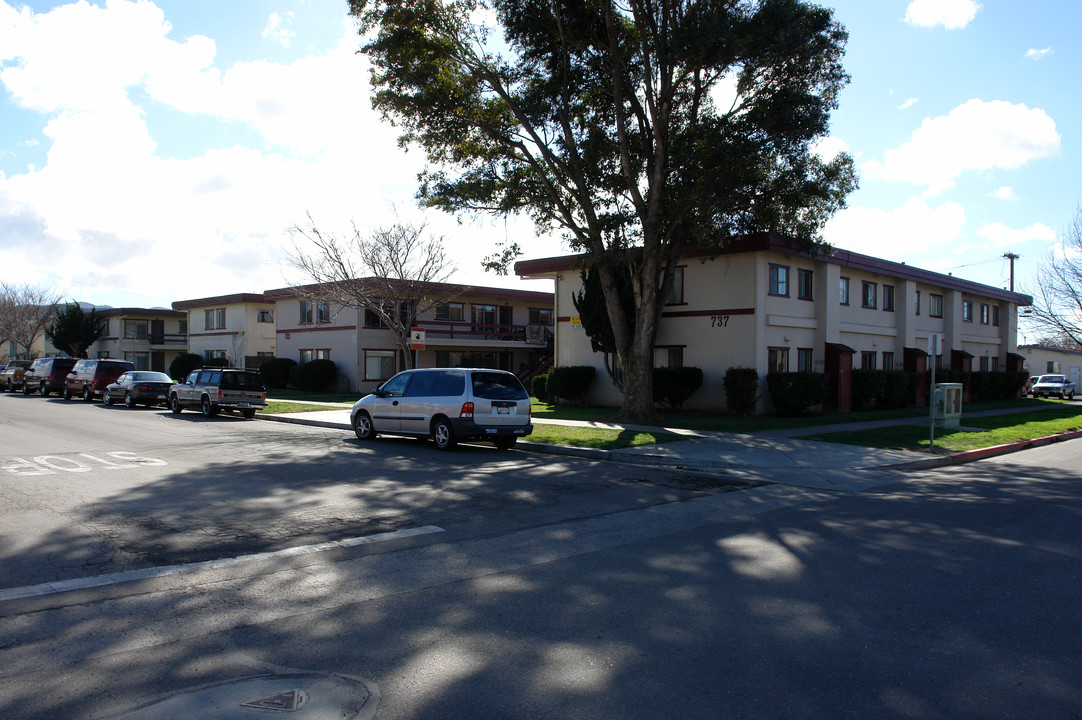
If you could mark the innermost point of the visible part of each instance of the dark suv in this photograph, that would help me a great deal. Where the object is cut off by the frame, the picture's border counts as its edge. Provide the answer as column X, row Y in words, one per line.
column 215, row 389
column 89, row 378
column 48, row 375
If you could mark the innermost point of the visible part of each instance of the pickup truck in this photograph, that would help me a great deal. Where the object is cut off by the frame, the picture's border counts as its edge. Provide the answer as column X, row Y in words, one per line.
column 12, row 376
column 215, row 389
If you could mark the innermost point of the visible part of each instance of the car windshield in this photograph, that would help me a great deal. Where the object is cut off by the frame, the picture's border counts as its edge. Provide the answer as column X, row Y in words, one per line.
column 1051, row 379
column 498, row 386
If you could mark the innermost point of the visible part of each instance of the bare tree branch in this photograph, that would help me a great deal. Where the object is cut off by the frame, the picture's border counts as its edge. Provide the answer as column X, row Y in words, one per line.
column 397, row 272
column 1057, row 300
column 25, row 310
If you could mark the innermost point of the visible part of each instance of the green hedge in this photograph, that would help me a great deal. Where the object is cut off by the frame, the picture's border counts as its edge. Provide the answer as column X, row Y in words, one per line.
column 797, row 393
column 539, row 387
column 569, row 382
column 275, row 371
column 183, row 364
column 884, row 389
column 674, row 385
column 741, row 389
column 314, row 376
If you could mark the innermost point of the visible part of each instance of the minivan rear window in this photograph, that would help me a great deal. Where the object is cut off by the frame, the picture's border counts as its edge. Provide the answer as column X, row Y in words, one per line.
column 498, row 386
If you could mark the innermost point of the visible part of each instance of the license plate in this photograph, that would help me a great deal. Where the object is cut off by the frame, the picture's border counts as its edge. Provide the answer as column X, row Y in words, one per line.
column 503, row 410
column 161, row 397
column 244, row 405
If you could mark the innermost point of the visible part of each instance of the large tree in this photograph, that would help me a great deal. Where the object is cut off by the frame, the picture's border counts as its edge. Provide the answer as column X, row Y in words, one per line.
column 24, row 312
column 397, row 272
column 1057, row 298
column 74, row 330
column 640, row 130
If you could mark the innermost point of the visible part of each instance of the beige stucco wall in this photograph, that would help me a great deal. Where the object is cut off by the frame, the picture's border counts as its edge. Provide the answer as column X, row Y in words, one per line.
column 242, row 336
column 1037, row 359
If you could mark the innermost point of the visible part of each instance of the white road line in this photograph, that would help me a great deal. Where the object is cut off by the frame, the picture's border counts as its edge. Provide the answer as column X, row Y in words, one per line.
column 60, row 586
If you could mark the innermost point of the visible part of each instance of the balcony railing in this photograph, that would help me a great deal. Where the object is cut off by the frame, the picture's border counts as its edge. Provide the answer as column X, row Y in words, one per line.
column 445, row 329
column 168, row 338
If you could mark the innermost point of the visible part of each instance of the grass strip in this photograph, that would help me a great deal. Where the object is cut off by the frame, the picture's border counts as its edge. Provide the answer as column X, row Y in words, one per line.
column 996, row 430
column 598, row 438
column 275, row 407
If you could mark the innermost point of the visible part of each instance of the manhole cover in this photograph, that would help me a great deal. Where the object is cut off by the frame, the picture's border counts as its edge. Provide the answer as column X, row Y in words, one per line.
column 298, row 696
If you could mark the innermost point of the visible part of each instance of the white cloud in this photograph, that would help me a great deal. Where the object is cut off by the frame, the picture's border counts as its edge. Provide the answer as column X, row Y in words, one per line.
column 1002, row 236
column 951, row 14
column 1037, row 54
column 908, row 104
column 1004, row 193
column 897, row 234
column 975, row 136
column 276, row 30
column 828, row 148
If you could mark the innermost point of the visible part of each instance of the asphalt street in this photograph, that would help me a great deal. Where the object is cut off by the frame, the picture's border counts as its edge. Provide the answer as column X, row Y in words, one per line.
column 948, row 593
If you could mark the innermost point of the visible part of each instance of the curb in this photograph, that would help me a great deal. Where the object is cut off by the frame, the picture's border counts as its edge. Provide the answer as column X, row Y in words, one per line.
column 997, row 450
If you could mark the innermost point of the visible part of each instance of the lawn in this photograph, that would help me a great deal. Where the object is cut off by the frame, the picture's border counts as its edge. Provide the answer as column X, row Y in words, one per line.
column 996, row 430
column 599, row 438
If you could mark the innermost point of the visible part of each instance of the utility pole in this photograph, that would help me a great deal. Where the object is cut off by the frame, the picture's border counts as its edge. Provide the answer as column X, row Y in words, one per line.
column 1012, row 257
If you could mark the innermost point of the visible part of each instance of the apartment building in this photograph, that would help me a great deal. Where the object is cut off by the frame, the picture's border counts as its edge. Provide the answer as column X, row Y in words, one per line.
column 238, row 327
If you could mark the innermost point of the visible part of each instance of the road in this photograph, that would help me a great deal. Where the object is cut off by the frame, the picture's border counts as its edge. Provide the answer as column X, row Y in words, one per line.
column 545, row 589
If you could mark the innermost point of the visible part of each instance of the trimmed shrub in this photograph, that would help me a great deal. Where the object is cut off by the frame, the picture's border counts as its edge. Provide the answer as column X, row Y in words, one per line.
column 884, row 389
column 183, row 364
column 539, row 386
column 796, row 393
column 314, row 376
column 569, row 383
column 275, row 371
column 741, row 389
column 674, row 385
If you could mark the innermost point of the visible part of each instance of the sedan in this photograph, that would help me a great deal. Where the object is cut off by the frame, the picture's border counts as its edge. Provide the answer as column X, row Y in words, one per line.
column 138, row 387
column 1049, row 385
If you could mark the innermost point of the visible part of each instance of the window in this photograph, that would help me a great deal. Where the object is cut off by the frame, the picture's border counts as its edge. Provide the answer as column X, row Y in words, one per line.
column 305, row 357
column 888, row 361
column 306, row 312
column 141, row 360
column 995, row 315
column 804, row 359
column 986, row 313
column 483, row 315
column 888, row 298
column 777, row 359
column 373, row 320
column 450, row 311
column 137, row 330
column 935, row 305
column 265, row 316
column 378, row 364
column 214, row 319
column 984, row 363
column 676, row 292
column 318, row 354
column 323, row 312
column 868, row 293
column 215, row 355
column 867, row 360
column 918, row 302
column 804, row 284
column 1052, row 366
column 182, row 327
column 665, row 357
column 995, row 364
column 967, row 311
column 779, row 280
column 541, row 316
column 843, row 291
column 104, row 331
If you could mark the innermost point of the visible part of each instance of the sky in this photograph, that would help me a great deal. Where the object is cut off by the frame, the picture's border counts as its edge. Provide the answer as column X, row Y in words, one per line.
column 161, row 151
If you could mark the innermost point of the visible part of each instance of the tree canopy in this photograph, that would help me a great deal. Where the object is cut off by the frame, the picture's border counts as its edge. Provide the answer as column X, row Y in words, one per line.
column 640, row 131
column 1057, row 299
column 74, row 330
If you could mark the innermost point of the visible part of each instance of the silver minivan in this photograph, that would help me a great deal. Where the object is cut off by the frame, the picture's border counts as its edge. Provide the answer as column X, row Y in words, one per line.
column 447, row 405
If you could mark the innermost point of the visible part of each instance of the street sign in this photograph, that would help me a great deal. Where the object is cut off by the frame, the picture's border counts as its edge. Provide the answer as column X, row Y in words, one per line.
column 935, row 344
column 417, row 339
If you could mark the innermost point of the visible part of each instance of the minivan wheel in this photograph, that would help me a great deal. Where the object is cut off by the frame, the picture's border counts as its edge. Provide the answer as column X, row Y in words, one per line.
column 43, row 391
column 26, row 388
column 67, row 393
column 443, row 437
column 88, row 395
column 362, row 426
column 505, row 442
column 174, row 404
column 209, row 408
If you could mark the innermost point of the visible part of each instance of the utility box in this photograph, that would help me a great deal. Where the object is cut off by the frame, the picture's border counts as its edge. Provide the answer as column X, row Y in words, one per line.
column 948, row 405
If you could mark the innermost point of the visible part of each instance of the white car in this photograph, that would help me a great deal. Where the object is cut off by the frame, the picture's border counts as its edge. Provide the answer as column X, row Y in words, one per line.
column 1049, row 385
column 447, row 405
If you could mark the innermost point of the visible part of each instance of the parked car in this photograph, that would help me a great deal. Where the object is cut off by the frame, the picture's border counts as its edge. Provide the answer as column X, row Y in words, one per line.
column 1049, row 385
column 48, row 375
column 138, row 387
column 89, row 378
column 215, row 389
column 12, row 376
column 447, row 405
